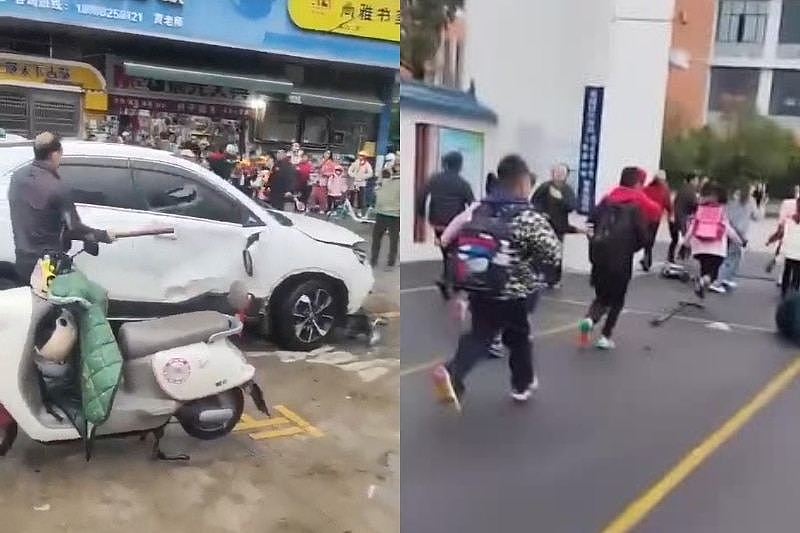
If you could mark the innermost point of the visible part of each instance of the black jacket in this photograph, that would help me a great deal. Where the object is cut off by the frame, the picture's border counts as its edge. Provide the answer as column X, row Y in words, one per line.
column 450, row 195
column 557, row 210
column 283, row 180
column 616, row 257
column 43, row 215
column 685, row 204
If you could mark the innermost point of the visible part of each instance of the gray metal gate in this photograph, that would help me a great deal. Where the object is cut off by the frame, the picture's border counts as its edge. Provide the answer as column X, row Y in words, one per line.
column 30, row 112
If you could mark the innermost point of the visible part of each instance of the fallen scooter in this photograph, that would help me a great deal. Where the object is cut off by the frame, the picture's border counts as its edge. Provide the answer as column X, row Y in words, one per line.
column 183, row 367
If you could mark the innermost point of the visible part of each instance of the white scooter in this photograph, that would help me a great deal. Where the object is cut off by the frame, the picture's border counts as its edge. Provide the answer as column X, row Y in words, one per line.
column 184, row 367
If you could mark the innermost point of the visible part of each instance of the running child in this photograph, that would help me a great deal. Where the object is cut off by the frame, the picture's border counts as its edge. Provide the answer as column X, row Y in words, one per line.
column 708, row 235
column 617, row 231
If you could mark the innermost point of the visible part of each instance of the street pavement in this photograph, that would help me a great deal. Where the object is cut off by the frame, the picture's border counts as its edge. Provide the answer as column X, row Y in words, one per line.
column 604, row 427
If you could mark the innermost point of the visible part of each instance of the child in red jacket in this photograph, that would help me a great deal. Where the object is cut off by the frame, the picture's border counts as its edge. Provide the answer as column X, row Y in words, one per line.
column 658, row 191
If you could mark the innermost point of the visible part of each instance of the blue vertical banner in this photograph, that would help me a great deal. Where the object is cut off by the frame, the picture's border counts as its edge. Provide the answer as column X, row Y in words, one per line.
column 590, row 147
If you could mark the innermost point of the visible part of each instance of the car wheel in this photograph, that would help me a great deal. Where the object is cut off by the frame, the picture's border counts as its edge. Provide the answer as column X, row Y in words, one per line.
column 307, row 315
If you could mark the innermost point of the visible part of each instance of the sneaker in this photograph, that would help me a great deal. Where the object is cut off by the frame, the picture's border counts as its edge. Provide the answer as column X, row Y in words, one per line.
column 497, row 349
column 585, row 328
column 730, row 284
column 521, row 396
column 445, row 388
column 554, row 286
column 719, row 288
column 699, row 287
column 604, row 343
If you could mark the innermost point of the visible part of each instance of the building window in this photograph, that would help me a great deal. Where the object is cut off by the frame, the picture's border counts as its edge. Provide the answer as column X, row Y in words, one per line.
column 790, row 22
column 742, row 21
column 785, row 98
column 732, row 88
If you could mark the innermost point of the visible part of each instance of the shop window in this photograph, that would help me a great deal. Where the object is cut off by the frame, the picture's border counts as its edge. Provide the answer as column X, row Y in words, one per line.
column 278, row 122
column 785, row 98
column 172, row 194
column 732, row 88
column 315, row 129
column 100, row 185
column 742, row 21
column 790, row 22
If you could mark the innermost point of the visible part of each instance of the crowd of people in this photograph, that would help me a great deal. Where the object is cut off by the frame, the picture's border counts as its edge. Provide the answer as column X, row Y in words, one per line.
column 500, row 252
column 289, row 178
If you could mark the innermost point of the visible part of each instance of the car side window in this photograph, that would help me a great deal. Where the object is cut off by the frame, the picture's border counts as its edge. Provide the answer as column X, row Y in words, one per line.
column 100, row 185
column 167, row 192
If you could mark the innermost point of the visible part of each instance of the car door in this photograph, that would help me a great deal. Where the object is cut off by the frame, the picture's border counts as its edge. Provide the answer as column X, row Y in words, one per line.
column 102, row 189
column 205, row 253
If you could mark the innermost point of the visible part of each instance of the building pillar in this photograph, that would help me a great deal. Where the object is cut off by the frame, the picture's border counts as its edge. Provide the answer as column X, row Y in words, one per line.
column 384, row 121
column 764, row 93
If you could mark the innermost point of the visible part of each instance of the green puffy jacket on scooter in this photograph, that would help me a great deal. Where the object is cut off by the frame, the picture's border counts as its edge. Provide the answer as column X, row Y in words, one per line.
column 101, row 359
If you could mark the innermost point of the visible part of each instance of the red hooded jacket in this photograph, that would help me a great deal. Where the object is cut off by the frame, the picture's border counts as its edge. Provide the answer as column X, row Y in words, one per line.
column 659, row 192
column 651, row 211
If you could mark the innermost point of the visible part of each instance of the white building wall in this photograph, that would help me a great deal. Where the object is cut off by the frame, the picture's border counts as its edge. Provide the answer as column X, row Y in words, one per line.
column 531, row 61
column 411, row 251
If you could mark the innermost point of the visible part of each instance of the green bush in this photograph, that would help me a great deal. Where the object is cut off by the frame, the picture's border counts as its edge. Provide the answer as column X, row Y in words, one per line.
column 743, row 147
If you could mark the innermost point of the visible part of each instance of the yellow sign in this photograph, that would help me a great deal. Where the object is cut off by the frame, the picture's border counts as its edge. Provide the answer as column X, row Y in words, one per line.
column 57, row 72
column 371, row 19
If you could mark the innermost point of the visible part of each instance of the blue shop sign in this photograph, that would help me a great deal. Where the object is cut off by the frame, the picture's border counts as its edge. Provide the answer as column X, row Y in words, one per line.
column 262, row 25
column 590, row 146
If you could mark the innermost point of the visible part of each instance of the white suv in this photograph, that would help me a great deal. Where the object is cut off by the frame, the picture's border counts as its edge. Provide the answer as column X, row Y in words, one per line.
column 307, row 274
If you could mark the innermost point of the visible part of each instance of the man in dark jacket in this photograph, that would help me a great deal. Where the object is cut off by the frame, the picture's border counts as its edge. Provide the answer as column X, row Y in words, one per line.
column 450, row 194
column 534, row 244
column 43, row 215
column 556, row 200
column 684, row 206
column 283, row 182
column 618, row 230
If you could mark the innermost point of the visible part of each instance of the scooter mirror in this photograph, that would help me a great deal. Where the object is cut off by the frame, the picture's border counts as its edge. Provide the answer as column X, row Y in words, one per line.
column 91, row 248
column 251, row 240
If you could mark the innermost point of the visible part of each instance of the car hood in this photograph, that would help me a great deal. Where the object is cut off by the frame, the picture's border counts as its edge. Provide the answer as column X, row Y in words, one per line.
column 323, row 231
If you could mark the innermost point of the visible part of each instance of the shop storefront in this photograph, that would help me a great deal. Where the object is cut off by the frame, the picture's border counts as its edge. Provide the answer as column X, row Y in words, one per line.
column 322, row 73
column 39, row 94
column 152, row 111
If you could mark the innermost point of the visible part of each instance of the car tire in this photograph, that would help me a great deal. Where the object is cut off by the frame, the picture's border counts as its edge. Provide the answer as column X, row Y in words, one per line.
column 306, row 315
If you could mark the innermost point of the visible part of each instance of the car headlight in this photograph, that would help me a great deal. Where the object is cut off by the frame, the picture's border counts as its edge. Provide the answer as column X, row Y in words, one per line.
column 360, row 249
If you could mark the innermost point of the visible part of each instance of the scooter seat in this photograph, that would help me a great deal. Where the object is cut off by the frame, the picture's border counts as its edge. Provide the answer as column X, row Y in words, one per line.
column 140, row 339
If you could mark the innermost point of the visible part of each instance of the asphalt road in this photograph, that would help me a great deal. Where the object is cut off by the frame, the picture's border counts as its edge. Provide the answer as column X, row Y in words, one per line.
column 604, row 427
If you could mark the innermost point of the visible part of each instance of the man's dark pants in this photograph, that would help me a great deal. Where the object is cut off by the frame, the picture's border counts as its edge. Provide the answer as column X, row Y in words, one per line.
column 488, row 317
column 383, row 224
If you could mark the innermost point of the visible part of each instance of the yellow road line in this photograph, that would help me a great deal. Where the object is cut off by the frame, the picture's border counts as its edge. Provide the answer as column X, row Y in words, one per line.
column 251, row 423
column 299, row 421
column 285, row 432
column 643, row 505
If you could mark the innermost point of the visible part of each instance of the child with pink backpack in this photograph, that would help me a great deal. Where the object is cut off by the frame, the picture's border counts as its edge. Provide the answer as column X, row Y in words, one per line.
column 707, row 235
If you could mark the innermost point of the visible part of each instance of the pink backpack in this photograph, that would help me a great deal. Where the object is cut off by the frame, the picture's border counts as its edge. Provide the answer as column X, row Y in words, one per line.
column 709, row 222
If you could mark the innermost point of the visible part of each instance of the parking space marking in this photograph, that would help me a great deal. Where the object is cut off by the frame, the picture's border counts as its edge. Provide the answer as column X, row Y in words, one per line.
column 294, row 425
column 644, row 505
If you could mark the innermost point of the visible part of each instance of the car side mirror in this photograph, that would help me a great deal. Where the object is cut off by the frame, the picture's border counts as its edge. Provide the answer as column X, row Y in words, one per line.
column 247, row 258
column 91, row 248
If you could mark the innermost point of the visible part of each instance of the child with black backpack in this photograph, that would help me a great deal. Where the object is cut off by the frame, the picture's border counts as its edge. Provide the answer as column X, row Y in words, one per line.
column 618, row 230
column 497, row 257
